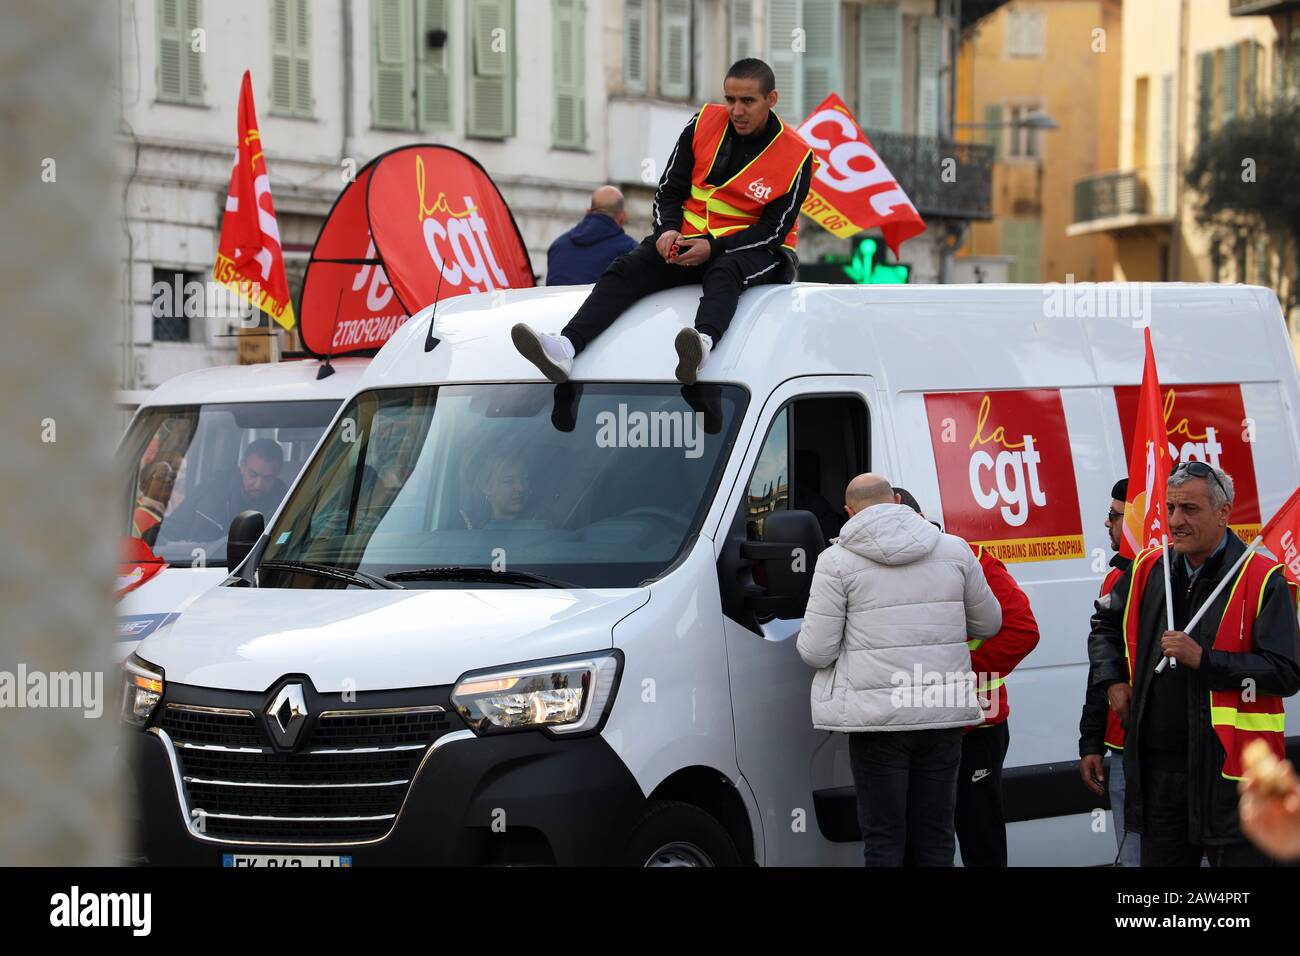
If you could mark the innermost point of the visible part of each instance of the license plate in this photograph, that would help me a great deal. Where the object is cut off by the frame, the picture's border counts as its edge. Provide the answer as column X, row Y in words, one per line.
column 235, row 859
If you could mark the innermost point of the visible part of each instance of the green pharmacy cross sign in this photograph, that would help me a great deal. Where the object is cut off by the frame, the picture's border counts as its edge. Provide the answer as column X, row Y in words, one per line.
column 866, row 265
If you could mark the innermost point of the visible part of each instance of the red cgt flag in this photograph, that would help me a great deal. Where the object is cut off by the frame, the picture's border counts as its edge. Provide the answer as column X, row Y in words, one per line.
column 249, row 259
column 1282, row 536
column 853, row 189
column 1148, row 466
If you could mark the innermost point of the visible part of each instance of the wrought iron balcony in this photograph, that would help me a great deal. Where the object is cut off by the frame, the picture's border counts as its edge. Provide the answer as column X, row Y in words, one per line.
column 1122, row 199
column 918, row 163
column 1250, row 8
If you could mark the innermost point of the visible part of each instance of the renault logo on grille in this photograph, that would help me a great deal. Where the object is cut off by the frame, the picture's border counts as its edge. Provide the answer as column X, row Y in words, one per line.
column 287, row 715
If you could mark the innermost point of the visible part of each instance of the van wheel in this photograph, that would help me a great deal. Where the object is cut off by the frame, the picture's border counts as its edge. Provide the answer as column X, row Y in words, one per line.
column 671, row 833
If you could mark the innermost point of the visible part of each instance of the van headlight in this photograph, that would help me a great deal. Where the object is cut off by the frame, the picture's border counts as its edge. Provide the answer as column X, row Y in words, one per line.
column 142, row 690
column 564, row 696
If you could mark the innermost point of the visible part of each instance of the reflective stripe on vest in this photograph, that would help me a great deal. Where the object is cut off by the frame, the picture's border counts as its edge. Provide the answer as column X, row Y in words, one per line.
column 739, row 202
column 1237, row 721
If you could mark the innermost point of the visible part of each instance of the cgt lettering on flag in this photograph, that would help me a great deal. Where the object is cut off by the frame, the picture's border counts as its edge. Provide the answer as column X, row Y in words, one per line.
column 249, row 257
column 853, row 189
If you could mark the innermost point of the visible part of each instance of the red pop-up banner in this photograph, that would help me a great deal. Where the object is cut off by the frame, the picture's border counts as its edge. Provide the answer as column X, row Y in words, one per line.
column 411, row 216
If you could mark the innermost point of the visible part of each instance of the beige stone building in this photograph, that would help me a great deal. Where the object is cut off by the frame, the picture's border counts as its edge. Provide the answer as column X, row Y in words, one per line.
column 1030, row 59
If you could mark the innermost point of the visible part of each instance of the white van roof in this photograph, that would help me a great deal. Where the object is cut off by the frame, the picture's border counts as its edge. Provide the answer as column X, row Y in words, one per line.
column 293, row 381
column 952, row 337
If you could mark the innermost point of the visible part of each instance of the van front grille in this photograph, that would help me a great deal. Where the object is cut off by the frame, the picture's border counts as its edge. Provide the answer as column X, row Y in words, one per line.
column 344, row 782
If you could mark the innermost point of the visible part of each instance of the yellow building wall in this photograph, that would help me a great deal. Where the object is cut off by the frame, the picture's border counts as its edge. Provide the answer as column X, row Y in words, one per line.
column 1209, row 27
column 1075, row 82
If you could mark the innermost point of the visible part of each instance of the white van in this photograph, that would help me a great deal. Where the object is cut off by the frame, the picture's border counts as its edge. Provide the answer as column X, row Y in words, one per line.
column 592, row 658
column 186, row 442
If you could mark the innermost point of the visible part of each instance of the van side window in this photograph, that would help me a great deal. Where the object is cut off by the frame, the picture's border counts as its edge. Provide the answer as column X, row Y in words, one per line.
column 769, row 488
column 813, row 448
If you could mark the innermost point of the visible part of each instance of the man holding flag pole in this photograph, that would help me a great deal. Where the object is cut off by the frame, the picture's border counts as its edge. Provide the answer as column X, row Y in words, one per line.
column 1226, row 618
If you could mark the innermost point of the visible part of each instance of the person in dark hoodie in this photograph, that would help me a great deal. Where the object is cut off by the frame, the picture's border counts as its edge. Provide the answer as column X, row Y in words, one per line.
column 1100, row 730
column 580, row 255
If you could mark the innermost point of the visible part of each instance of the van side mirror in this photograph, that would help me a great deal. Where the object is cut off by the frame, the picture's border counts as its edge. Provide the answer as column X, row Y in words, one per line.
column 245, row 528
column 784, row 562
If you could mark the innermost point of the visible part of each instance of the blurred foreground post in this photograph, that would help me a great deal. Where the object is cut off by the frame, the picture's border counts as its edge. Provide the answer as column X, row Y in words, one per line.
column 59, row 799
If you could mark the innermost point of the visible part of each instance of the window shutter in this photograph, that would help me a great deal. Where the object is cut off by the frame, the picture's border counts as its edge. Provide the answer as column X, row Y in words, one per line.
column 191, row 58
column 1250, row 51
column 569, row 20
column 302, row 101
column 741, row 13
column 1229, row 83
column 390, row 64
column 821, row 61
column 880, row 68
column 634, row 45
column 281, row 58
column 434, row 67
column 1165, row 200
column 1205, row 96
column 782, row 19
column 1022, row 238
column 1293, row 63
column 929, row 40
column 993, row 128
column 491, row 84
column 675, row 48
column 1279, row 76
column 169, row 50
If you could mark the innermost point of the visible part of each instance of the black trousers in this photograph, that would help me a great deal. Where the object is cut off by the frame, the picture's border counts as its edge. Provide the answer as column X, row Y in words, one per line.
column 981, row 825
column 906, row 782
column 636, row 274
column 1164, row 827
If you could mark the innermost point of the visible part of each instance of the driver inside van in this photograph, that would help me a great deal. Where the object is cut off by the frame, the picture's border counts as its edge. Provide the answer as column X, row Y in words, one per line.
column 503, row 493
column 254, row 486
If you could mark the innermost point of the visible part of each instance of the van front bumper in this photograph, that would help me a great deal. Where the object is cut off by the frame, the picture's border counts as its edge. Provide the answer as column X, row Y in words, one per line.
column 521, row 798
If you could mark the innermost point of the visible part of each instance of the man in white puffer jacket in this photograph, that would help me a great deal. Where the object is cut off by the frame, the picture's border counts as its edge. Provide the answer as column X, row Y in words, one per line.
column 892, row 605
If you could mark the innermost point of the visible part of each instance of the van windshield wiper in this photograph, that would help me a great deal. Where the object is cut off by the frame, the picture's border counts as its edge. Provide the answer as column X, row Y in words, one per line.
column 361, row 578
column 455, row 572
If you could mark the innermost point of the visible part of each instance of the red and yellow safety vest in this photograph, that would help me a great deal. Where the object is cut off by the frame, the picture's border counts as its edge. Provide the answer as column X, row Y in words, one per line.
column 144, row 518
column 738, row 202
column 1238, row 716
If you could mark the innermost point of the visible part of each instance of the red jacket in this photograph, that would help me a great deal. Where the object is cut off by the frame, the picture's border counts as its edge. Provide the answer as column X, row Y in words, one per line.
column 993, row 659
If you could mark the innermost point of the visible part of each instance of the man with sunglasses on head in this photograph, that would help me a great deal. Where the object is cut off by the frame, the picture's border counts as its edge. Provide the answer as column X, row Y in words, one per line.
column 1187, row 726
column 1100, row 730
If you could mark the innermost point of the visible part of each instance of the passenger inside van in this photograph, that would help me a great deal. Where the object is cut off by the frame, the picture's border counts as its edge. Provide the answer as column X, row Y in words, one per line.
column 808, row 496
column 156, row 483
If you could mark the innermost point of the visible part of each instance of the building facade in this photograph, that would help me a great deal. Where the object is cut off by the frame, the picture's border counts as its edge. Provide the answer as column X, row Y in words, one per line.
column 1054, row 58
column 552, row 97
column 1194, row 67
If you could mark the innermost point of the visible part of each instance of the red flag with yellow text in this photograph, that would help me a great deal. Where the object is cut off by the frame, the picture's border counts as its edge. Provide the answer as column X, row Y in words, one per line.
column 1148, row 466
column 250, row 261
column 1282, row 536
column 853, row 189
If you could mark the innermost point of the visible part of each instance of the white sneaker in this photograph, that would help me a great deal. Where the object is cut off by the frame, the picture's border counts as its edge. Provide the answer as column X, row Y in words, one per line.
column 692, row 349
column 552, row 354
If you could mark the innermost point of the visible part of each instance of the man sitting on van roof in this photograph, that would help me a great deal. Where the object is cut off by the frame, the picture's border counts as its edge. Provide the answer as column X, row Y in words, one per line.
column 726, row 215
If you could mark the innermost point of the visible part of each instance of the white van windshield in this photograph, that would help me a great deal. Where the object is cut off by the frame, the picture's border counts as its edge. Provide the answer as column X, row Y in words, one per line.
column 189, row 469
column 584, row 484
